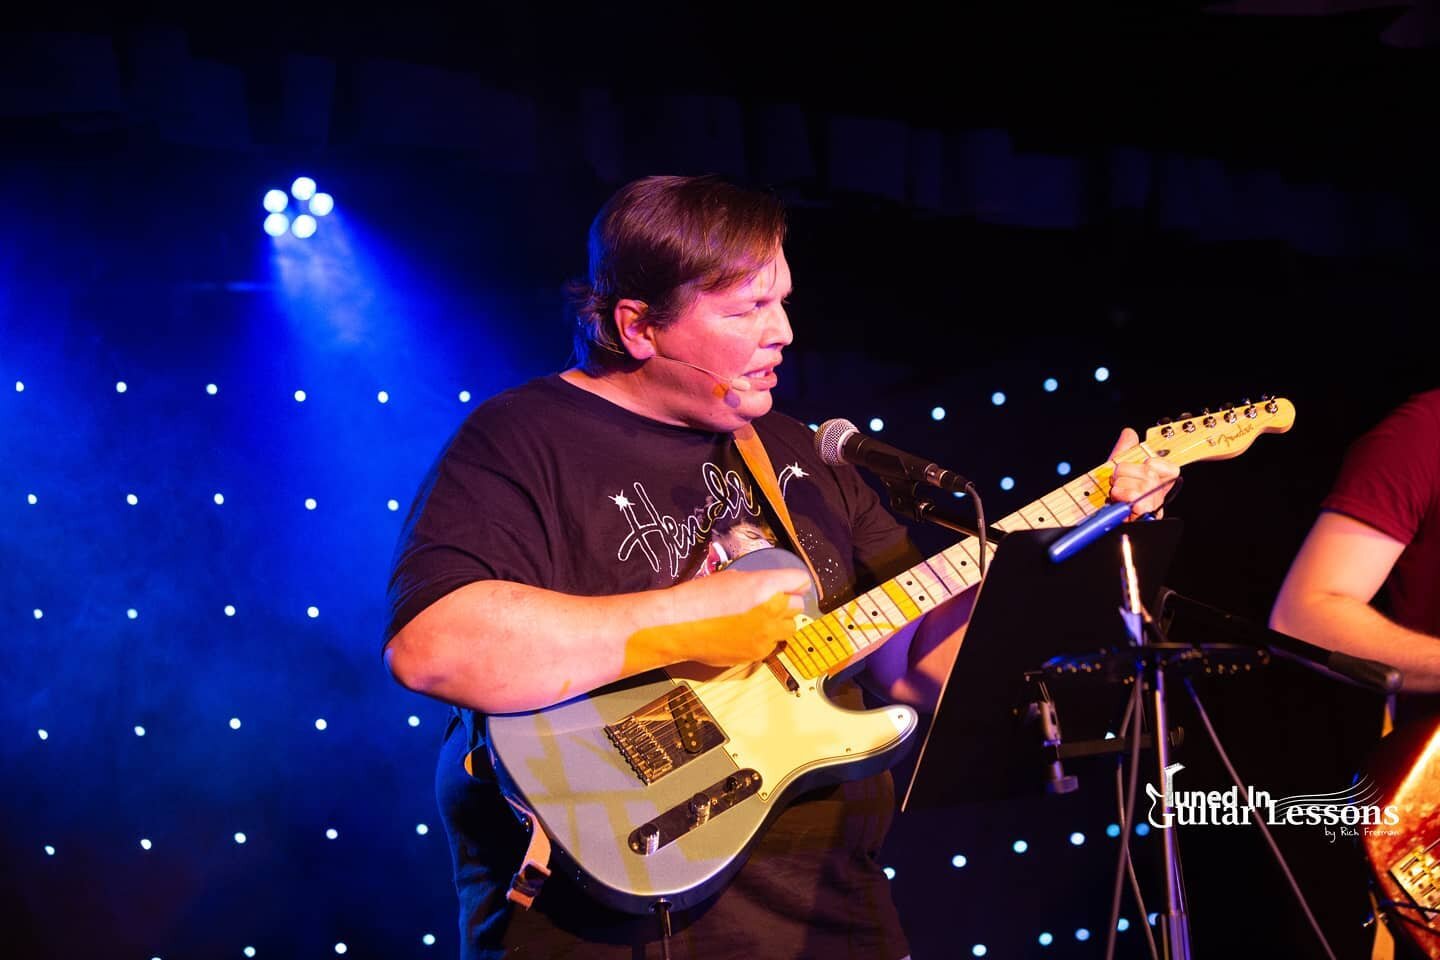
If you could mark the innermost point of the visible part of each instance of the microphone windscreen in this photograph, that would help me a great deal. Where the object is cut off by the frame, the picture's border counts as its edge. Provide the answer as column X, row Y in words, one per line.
column 829, row 439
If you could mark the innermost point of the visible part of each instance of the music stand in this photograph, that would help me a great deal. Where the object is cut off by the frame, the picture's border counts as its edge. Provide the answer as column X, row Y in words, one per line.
column 1030, row 609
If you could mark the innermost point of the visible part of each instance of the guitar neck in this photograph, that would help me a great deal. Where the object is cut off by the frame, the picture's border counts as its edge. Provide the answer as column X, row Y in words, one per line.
column 854, row 629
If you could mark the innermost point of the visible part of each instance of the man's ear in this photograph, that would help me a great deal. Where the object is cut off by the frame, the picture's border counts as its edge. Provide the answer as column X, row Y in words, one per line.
column 635, row 331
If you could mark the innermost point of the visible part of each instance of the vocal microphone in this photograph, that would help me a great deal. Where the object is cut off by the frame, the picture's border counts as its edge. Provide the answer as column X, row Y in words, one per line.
column 729, row 385
column 839, row 441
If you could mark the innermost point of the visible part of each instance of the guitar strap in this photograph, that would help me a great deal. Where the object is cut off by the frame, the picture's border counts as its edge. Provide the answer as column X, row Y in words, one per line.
column 753, row 451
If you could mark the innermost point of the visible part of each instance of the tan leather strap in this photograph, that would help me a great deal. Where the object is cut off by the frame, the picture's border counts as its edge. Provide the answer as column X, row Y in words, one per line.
column 764, row 473
column 535, row 863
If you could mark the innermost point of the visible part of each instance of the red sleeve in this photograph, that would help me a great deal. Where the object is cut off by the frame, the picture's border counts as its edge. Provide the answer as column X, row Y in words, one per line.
column 1391, row 475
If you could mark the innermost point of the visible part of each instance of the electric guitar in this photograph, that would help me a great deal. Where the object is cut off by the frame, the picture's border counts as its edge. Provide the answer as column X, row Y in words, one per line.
column 1402, row 856
column 655, row 787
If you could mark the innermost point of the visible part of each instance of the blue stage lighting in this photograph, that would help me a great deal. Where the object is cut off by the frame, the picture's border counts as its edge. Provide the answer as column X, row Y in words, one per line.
column 997, row 398
column 889, row 873
column 31, row 499
column 321, row 724
column 211, row 389
column 332, row 834
column 239, row 838
column 428, row 939
column 131, row 499
column 1077, row 838
column 234, row 723
column 1102, row 374
column 49, row 850
column 937, row 413
column 303, row 188
column 1142, row 830
column 299, row 396
column 310, row 504
column 19, row 386
column 1063, row 468
column 465, row 398
column 392, row 505
column 321, row 204
column 414, row 721
column 1046, row 939
column 139, row 731
column 132, row 613
column 1122, row 925
column 276, row 224
column 229, row 610
column 1051, row 384
column 312, row 612
column 1020, row 846
column 145, row 843
column 219, row 499
column 958, row 861
column 249, row 951
column 121, row 387
column 1007, row 483
column 340, row 948
column 383, row 397
column 1082, row 934
column 44, row 734
column 39, row 613
column 304, row 226
column 876, row 424
column 275, row 201
column 421, row 829
column 979, row 950
column 1113, row 830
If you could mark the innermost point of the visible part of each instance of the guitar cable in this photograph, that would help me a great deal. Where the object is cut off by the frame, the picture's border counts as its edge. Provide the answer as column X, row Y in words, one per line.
column 662, row 910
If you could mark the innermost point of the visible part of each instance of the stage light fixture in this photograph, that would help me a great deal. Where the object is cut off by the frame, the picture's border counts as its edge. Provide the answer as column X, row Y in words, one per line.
column 303, row 226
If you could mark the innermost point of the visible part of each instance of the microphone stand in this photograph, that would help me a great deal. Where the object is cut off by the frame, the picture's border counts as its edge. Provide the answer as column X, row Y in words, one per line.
column 906, row 500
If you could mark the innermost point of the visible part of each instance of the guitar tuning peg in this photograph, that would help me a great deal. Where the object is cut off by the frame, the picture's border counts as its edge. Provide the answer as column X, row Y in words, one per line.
column 1204, row 411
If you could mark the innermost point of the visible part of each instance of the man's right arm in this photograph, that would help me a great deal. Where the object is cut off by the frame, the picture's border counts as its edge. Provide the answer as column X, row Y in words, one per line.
column 502, row 647
column 1325, row 600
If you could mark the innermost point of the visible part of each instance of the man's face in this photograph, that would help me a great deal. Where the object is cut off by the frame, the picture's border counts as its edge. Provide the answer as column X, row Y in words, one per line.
column 736, row 332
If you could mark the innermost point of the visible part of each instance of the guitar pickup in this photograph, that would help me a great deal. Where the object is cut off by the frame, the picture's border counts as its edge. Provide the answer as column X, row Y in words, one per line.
column 699, row 810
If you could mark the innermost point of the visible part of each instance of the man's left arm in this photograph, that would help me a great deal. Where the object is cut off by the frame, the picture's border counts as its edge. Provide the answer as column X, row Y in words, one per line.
column 911, row 666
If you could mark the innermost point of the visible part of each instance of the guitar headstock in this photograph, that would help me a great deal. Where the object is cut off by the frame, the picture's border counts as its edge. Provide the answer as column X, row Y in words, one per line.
column 1218, row 434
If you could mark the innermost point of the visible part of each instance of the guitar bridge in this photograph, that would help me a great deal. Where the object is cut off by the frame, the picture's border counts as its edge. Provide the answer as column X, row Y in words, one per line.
column 1419, row 876
column 665, row 734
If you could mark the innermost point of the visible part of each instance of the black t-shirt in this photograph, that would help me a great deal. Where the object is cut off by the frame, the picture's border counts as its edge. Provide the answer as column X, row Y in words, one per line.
column 555, row 487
